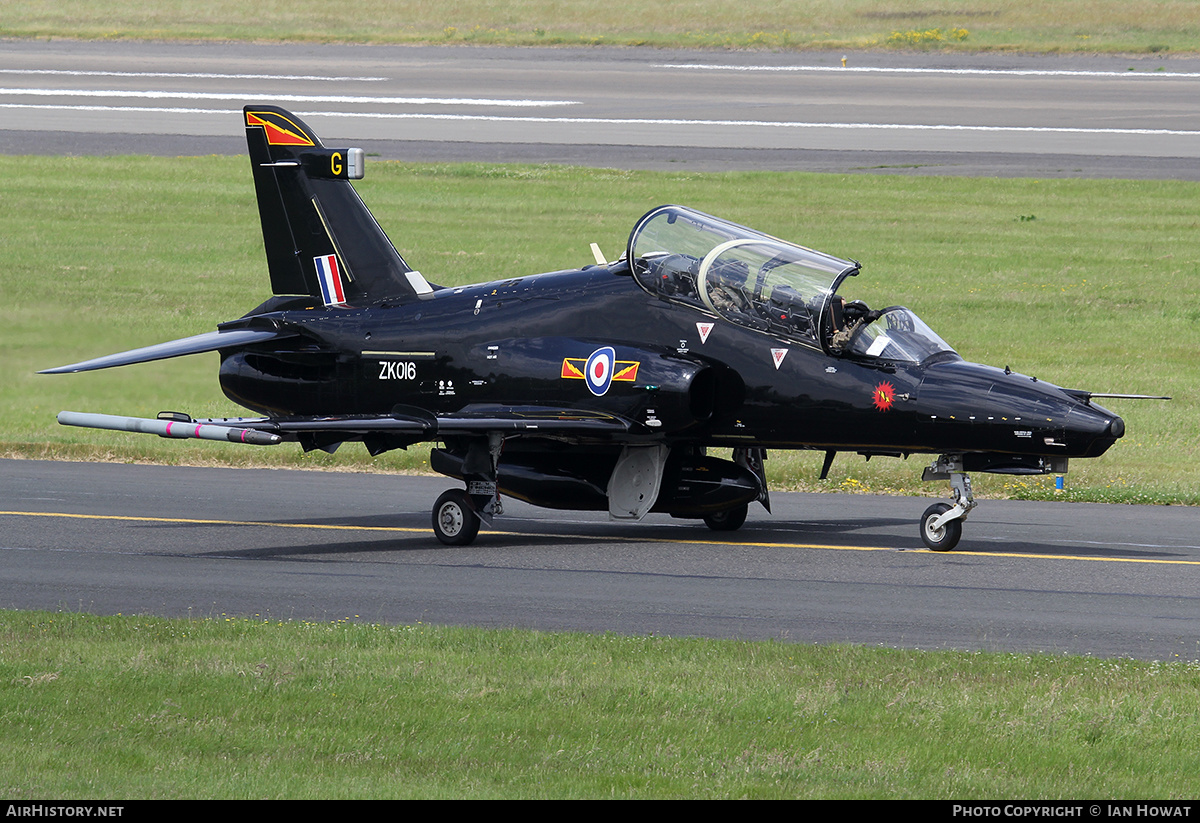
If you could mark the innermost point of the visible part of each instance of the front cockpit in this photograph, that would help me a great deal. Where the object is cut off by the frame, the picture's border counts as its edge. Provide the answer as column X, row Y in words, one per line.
column 895, row 333
column 763, row 283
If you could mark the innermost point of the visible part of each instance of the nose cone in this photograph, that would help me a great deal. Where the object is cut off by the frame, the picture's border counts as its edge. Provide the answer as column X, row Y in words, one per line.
column 1092, row 429
column 971, row 407
column 1117, row 428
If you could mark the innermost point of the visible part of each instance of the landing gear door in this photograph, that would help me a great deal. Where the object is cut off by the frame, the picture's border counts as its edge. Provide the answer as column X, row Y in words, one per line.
column 636, row 480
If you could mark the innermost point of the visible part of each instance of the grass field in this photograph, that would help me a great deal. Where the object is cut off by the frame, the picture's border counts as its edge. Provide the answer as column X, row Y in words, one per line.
column 137, row 707
column 1061, row 26
column 1084, row 283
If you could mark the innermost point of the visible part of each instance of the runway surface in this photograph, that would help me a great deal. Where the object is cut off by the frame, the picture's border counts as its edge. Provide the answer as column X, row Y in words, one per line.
column 1112, row 581
column 624, row 108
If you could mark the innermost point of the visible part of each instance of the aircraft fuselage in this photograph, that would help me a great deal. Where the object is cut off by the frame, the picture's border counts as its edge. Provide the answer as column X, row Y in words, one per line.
column 526, row 340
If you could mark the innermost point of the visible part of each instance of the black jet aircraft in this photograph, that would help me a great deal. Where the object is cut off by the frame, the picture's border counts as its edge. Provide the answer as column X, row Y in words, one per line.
column 603, row 387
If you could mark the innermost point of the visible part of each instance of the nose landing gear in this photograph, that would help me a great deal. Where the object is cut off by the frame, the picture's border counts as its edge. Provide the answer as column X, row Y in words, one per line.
column 941, row 524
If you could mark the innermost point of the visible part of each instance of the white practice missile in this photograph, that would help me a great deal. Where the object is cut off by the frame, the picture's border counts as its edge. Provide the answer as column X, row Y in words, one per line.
column 168, row 428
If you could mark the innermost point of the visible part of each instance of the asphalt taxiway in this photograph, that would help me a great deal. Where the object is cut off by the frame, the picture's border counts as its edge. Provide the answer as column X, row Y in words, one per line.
column 1104, row 580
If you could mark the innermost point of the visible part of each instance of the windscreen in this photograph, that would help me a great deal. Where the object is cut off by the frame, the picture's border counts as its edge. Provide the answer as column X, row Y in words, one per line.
column 891, row 334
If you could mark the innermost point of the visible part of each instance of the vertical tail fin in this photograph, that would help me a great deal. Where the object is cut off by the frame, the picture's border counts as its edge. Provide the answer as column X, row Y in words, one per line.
column 320, row 238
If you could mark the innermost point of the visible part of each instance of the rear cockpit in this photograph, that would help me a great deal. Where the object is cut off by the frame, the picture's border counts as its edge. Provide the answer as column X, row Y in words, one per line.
column 763, row 283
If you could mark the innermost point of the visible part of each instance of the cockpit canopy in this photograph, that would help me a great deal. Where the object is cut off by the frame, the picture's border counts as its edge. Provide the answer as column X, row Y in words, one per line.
column 758, row 281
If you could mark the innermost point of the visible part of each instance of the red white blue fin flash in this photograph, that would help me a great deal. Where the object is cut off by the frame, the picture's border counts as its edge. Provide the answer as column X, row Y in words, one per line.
column 330, row 278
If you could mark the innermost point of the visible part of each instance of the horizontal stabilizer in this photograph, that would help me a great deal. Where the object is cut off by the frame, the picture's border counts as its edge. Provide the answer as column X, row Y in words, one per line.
column 209, row 341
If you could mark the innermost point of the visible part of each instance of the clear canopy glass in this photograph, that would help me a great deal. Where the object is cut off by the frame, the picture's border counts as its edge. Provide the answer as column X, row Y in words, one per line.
column 892, row 334
column 759, row 281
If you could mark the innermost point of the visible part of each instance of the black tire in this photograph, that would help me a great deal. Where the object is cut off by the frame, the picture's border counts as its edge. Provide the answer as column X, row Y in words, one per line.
column 454, row 521
column 945, row 538
column 729, row 520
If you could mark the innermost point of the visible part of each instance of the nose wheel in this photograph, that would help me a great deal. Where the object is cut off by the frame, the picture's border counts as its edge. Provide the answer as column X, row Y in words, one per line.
column 940, row 538
column 942, row 523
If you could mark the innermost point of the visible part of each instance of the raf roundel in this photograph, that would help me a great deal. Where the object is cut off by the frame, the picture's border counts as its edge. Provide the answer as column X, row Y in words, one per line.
column 599, row 370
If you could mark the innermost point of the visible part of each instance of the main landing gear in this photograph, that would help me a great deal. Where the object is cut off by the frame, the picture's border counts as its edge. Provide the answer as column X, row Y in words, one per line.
column 942, row 523
column 727, row 520
column 454, row 519
column 699, row 485
column 458, row 513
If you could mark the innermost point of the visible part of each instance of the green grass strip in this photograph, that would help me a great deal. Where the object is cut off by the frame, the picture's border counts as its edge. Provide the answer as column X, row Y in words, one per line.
column 1064, row 26
column 218, row 707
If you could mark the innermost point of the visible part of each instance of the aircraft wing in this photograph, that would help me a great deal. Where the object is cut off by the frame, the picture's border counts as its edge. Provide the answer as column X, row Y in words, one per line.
column 427, row 426
column 404, row 426
column 209, row 341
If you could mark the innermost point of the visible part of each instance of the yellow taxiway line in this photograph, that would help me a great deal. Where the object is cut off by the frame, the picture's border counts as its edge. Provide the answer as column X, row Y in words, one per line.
column 690, row 541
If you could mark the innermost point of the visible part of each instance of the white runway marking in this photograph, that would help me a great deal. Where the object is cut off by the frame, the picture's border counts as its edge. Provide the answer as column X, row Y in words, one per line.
column 193, row 74
column 622, row 121
column 1140, row 75
column 286, row 98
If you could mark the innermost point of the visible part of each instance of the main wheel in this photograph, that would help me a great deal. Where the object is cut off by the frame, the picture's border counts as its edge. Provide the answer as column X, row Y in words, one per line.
column 945, row 538
column 454, row 521
column 729, row 520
